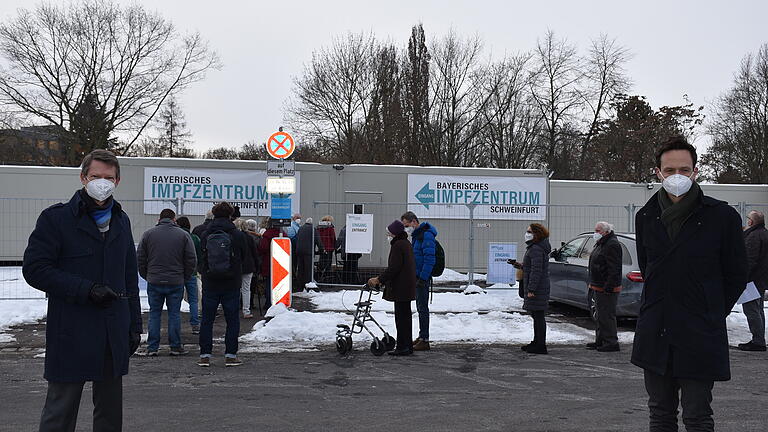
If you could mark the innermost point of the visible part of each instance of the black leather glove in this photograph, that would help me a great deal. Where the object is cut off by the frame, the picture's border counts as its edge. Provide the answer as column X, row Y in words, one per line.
column 134, row 340
column 421, row 283
column 102, row 295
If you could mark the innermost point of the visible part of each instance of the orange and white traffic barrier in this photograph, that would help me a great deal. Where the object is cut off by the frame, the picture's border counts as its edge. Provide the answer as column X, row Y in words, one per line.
column 280, row 257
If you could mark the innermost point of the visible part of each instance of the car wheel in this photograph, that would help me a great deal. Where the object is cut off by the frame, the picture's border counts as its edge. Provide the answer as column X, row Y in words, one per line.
column 592, row 305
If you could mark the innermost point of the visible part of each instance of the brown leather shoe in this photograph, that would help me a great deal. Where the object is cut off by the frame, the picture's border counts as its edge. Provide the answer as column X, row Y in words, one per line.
column 421, row 345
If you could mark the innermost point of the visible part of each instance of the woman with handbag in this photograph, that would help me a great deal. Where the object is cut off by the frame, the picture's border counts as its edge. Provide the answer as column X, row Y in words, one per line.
column 399, row 280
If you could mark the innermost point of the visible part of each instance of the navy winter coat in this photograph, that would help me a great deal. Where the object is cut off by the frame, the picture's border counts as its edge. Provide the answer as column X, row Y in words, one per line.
column 691, row 285
column 536, row 275
column 65, row 256
column 424, row 249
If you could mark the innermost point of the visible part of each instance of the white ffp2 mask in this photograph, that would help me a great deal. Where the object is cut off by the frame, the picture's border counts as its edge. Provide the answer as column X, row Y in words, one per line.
column 528, row 236
column 100, row 189
column 677, row 184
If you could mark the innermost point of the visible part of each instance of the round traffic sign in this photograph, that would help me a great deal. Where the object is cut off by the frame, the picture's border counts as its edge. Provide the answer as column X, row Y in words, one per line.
column 280, row 145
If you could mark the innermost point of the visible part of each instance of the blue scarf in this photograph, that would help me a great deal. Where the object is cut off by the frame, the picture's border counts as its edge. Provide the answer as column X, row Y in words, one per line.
column 102, row 216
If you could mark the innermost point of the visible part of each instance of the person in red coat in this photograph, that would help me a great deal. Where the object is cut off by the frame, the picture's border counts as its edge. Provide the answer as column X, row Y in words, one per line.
column 327, row 234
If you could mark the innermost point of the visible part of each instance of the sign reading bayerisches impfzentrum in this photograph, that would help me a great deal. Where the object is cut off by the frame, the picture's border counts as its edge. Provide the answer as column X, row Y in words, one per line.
column 201, row 188
column 503, row 198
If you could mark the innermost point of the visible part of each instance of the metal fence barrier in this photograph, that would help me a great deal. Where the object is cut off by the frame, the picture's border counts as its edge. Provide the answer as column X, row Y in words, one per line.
column 464, row 236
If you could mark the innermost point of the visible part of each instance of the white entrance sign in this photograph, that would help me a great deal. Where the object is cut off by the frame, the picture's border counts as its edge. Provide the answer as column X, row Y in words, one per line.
column 359, row 234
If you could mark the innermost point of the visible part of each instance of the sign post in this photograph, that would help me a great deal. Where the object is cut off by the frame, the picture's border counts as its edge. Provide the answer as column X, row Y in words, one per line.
column 280, row 271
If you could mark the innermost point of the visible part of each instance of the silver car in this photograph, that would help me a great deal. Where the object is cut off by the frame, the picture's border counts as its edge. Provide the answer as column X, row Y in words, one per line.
column 569, row 275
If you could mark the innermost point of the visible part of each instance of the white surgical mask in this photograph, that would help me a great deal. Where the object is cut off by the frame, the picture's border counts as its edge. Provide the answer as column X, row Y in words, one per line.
column 298, row 221
column 389, row 239
column 409, row 230
column 677, row 184
column 100, row 189
column 528, row 236
column 597, row 236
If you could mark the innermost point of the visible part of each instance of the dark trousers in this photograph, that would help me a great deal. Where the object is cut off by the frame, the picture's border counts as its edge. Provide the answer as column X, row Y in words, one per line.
column 63, row 402
column 350, row 271
column 404, row 326
column 230, row 302
column 606, row 333
column 305, row 271
column 539, row 328
column 665, row 393
column 755, row 313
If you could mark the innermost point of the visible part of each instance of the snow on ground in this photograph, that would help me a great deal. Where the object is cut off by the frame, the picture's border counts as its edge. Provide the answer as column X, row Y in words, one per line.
column 449, row 276
column 494, row 300
column 15, row 312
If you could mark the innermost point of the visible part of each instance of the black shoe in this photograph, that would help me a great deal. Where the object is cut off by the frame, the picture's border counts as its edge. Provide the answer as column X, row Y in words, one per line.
column 749, row 346
column 400, row 353
column 593, row 346
column 608, row 348
column 527, row 347
column 537, row 349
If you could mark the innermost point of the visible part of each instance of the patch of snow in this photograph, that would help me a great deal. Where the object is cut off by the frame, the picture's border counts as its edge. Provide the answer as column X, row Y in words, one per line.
column 306, row 330
column 450, row 276
column 495, row 300
column 472, row 289
column 15, row 312
column 275, row 310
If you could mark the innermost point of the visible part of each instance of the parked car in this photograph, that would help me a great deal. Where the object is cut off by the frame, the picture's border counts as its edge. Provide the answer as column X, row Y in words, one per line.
column 569, row 275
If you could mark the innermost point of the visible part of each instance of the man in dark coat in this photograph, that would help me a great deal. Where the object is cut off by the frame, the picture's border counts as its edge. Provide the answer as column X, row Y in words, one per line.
column 222, row 287
column 307, row 241
column 400, row 281
column 691, row 253
column 82, row 255
column 605, row 281
column 756, row 241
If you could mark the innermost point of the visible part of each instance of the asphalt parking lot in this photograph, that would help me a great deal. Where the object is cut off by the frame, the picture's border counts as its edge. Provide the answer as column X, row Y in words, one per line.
column 451, row 388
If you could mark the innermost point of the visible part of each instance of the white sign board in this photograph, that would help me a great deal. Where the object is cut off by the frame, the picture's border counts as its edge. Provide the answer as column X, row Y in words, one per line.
column 243, row 188
column 503, row 198
column 499, row 271
column 359, row 234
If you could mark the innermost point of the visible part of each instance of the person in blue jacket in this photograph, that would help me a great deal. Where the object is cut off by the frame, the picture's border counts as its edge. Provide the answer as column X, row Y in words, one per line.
column 424, row 249
column 81, row 253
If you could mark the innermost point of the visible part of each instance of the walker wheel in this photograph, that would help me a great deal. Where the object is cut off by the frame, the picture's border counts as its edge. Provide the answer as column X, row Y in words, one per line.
column 377, row 347
column 343, row 344
column 389, row 342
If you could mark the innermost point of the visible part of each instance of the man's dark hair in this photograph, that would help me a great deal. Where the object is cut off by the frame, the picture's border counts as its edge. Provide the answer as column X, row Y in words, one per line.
column 100, row 155
column 409, row 216
column 675, row 142
column 223, row 209
column 167, row 214
column 184, row 223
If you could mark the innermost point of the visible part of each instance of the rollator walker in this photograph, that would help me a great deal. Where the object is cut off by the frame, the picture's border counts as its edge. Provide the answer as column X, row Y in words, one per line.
column 360, row 318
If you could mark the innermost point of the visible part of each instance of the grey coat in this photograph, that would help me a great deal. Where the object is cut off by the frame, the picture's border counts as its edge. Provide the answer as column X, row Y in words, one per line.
column 536, row 275
column 166, row 254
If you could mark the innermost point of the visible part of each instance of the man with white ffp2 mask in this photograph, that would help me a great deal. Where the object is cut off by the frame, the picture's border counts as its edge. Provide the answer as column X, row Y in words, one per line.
column 82, row 255
column 691, row 254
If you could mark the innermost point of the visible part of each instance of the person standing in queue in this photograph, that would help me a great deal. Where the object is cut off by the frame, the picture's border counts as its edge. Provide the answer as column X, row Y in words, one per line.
column 399, row 279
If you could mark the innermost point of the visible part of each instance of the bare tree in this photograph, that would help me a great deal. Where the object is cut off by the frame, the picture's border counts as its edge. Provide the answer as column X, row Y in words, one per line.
column 175, row 137
column 510, row 122
column 556, row 89
column 739, row 125
column 456, row 100
column 126, row 59
column 331, row 98
column 604, row 78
